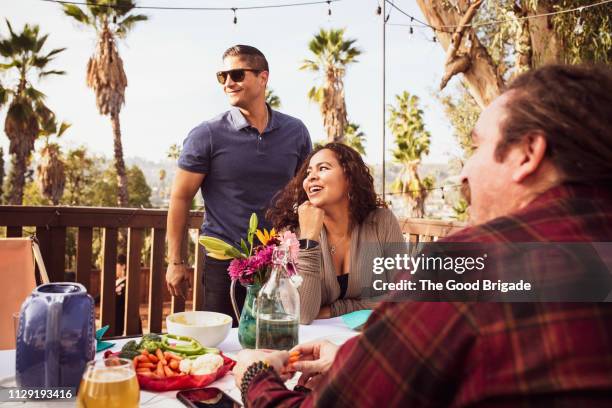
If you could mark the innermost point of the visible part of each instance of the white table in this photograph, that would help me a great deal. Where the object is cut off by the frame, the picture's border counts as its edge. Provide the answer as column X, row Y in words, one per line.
column 333, row 330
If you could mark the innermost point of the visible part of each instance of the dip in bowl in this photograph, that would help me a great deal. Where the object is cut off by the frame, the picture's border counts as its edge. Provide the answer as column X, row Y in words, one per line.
column 209, row 328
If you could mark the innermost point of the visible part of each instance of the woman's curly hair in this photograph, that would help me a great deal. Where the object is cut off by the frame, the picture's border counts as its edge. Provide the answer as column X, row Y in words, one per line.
column 362, row 196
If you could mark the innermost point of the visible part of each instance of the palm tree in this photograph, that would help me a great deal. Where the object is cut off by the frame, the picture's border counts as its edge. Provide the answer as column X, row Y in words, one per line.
column 174, row 151
column 354, row 137
column 332, row 54
column 27, row 112
column 412, row 142
column 111, row 20
column 272, row 99
column 51, row 169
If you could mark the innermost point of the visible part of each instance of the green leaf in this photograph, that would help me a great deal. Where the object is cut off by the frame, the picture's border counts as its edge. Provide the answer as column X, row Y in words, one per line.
column 245, row 248
column 127, row 23
column 234, row 253
column 55, row 51
column 9, row 66
column 38, row 62
column 34, row 94
column 309, row 65
column 215, row 244
column 250, row 239
column 10, row 27
column 63, row 127
column 40, row 42
column 77, row 13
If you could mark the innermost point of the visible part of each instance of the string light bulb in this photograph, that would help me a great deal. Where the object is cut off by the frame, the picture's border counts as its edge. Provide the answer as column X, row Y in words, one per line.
column 411, row 30
column 379, row 10
column 329, row 7
column 235, row 17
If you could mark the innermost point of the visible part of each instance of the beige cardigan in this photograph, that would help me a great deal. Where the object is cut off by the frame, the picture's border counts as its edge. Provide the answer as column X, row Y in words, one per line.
column 320, row 285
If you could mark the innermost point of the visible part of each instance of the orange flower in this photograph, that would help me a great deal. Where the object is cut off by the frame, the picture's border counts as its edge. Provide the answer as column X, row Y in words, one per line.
column 265, row 236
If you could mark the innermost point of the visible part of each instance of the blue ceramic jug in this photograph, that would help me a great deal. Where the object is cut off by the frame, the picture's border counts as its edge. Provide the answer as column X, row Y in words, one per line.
column 56, row 336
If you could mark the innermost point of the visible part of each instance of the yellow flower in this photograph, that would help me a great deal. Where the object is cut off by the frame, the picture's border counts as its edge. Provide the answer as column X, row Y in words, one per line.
column 265, row 236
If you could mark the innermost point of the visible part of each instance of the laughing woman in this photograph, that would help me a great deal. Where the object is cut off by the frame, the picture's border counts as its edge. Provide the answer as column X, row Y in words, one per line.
column 342, row 226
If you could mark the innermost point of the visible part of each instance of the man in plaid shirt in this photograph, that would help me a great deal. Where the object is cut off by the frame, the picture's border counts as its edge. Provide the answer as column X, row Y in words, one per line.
column 541, row 172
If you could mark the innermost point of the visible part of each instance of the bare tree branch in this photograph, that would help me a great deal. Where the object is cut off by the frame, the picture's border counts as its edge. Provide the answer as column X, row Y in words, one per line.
column 480, row 74
column 459, row 64
column 457, row 36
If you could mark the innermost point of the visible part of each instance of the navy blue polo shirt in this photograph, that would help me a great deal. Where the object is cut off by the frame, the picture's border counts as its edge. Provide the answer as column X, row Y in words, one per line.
column 244, row 169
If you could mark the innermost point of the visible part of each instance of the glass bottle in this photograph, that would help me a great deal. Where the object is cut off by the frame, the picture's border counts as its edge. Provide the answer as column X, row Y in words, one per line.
column 278, row 307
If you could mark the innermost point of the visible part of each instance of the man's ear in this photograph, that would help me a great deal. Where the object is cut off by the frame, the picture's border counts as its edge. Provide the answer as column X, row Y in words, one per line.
column 264, row 76
column 531, row 152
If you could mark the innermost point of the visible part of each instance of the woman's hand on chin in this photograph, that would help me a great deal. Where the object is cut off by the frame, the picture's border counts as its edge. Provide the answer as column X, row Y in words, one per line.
column 311, row 221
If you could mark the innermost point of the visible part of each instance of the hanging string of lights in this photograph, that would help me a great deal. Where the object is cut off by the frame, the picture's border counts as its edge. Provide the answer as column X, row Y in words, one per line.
column 444, row 28
column 175, row 8
column 234, row 10
column 441, row 188
column 412, row 18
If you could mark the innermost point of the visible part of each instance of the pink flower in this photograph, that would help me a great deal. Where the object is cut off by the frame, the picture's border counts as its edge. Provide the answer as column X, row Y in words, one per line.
column 238, row 268
column 290, row 241
column 262, row 258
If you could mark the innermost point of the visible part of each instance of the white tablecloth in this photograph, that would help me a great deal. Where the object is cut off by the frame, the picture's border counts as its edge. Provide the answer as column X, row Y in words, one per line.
column 333, row 330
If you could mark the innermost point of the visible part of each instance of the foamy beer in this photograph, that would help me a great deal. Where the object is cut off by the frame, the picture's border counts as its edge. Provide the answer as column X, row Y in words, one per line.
column 109, row 383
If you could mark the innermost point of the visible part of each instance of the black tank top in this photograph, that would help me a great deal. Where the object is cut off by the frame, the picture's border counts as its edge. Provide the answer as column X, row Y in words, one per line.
column 343, row 282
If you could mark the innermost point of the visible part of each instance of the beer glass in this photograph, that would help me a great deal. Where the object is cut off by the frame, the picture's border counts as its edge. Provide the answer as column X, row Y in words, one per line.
column 109, row 383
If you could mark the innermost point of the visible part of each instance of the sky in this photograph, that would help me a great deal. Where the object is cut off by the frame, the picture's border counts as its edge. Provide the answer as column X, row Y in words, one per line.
column 171, row 59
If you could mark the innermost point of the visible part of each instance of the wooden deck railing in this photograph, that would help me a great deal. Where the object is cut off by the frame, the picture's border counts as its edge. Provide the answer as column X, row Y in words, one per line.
column 50, row 226
column 423, row 230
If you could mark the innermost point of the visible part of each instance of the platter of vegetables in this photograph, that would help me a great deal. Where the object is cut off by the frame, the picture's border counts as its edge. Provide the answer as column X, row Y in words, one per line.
column 170, row 362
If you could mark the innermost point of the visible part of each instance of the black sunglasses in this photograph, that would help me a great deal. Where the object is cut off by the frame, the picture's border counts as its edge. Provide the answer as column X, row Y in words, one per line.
column 237, row 75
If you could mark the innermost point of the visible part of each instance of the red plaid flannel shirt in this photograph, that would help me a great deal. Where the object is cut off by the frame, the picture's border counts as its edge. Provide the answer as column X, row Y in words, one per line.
column 480, row 354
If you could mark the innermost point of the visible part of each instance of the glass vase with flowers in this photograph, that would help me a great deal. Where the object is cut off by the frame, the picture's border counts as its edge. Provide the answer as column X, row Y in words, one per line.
column 251, row 265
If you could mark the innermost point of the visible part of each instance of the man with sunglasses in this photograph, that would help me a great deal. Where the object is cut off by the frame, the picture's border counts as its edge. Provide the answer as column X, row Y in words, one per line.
column 239, row 160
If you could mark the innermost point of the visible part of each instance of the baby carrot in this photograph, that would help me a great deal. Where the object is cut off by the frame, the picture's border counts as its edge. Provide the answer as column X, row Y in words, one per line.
column 160, row 370
column 146, row 365
column 169, row 355
column 168, row 371
column 153, row 358
column 294, row 356
column 173, row 364
column 161, row 357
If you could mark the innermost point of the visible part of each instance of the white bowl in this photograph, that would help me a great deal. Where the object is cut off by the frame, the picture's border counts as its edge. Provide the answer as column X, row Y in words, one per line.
column 209, row 328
